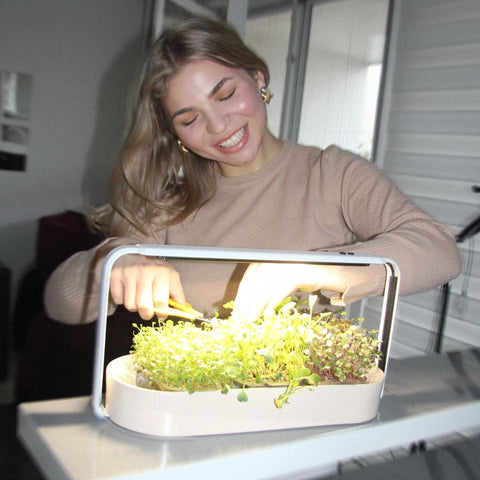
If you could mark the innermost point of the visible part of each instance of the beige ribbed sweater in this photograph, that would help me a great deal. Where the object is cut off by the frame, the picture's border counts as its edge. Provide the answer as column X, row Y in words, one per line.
column 304, row 199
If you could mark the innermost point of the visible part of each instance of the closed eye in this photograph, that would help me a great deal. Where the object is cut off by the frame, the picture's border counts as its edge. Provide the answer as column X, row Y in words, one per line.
column 186, row 124
column 228, row 96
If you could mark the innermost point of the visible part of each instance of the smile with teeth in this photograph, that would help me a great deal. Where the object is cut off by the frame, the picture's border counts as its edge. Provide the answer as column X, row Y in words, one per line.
column 234, row 139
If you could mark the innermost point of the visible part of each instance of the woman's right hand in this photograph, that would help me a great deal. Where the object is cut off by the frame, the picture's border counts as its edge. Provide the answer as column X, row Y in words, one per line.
column 142, row 283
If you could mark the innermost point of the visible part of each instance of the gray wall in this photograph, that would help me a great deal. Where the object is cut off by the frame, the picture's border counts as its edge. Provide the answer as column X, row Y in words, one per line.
column 83, row 56
column 431, row 149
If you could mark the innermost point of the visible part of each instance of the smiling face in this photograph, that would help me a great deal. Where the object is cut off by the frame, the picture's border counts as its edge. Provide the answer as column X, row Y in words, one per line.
column 217, row 112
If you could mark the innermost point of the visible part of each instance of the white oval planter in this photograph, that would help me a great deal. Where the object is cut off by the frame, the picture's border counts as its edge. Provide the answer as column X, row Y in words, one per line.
column 176, row 414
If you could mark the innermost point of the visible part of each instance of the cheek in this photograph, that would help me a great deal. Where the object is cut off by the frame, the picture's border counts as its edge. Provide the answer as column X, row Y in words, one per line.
column 255, row 110
column 191, row 136
column 252, row 103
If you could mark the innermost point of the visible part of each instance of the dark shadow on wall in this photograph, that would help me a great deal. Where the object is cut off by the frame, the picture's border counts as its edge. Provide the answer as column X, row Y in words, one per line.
column 113, row 97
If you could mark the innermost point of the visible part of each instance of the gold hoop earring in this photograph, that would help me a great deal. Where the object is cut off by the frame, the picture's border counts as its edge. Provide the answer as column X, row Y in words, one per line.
column 266, row 95
column 182, row 147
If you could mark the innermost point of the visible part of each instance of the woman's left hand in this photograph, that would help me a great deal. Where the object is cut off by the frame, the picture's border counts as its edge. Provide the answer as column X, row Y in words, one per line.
column 265, row 285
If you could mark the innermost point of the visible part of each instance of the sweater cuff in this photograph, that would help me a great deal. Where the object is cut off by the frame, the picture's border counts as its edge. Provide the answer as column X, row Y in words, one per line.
column 362, row 282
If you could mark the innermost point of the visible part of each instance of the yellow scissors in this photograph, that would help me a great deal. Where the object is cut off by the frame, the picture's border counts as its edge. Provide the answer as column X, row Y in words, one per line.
column 186, row 311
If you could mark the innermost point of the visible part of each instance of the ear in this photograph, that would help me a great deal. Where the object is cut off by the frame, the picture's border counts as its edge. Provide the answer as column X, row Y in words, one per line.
column 260, row 79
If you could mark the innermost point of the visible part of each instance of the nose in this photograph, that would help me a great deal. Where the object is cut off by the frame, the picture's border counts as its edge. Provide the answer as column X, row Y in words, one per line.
column 216, row 121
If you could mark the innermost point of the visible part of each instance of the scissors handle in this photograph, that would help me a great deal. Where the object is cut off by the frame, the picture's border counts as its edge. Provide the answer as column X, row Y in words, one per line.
column 182, row 311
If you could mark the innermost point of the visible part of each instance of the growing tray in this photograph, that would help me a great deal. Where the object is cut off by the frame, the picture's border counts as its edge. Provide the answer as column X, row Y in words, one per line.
column 176, row 414
column 179, row 414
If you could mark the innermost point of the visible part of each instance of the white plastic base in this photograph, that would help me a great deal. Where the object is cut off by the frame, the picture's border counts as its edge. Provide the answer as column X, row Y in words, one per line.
column 180, row 414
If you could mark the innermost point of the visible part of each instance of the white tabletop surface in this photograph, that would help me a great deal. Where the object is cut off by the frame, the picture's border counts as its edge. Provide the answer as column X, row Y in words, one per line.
column 425, row 398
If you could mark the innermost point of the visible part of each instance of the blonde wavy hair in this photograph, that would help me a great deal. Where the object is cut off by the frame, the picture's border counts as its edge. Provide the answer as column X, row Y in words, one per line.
column 152, row 178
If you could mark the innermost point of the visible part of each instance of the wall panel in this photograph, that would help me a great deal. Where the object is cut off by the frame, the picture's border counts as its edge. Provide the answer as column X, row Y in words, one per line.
column 431, row 150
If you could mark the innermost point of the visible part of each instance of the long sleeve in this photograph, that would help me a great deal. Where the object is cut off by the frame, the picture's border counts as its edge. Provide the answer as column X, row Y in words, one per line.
column 72, row 291
column 387, row 224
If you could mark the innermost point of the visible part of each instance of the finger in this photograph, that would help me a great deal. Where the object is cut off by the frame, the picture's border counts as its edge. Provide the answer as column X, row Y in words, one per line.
column 249, row 303
column 262, row 288
column 176, row 289
column 277, row 297
column 247, row 312
column 116, row 291
column 116, row 285
column 250, row 299
column 144, row 294
column 129, row 279
column 160, row 292
column 153, row 288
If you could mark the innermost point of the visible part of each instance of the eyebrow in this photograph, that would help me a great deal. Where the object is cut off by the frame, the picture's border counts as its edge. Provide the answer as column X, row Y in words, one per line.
column 214, row 90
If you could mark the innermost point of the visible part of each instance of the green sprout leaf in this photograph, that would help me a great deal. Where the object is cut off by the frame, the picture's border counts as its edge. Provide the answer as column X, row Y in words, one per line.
column 242, row 396
column 293, row 348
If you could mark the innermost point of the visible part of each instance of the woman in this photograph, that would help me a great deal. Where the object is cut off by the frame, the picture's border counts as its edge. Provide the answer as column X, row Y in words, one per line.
column 200, row 167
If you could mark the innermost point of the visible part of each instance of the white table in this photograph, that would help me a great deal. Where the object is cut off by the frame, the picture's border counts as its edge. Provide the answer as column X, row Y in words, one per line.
column 425, row 398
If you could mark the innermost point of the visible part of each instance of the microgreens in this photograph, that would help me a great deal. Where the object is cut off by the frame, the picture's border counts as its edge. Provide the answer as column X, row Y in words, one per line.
column 292, row 348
